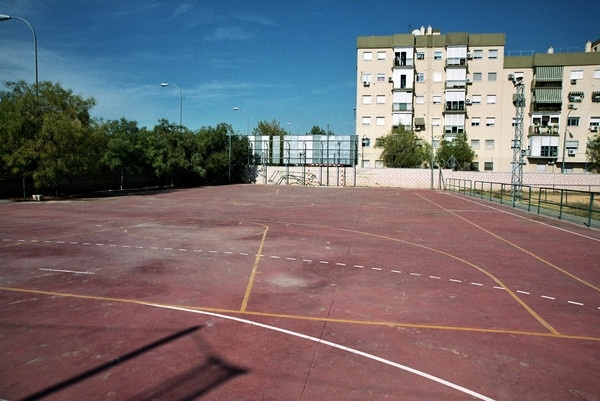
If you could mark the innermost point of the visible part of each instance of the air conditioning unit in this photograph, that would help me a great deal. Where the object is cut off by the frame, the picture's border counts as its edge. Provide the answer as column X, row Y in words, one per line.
column 366, row 83
column 468, row 81
column 594, row 128
column 573, row 82
column 468, row 101
column 572, row 152
column 391, row 80
column 469, row 56
column 417, row 129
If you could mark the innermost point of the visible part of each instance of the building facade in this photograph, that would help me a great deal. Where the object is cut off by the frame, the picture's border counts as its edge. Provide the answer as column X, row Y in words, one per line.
column 444, row 85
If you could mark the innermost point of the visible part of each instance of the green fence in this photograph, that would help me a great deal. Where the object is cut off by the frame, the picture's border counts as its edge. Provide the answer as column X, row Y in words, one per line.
column 565, row 204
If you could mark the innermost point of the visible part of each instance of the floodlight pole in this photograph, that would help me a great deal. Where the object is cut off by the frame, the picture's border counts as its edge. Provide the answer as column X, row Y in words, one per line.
column 517, row 143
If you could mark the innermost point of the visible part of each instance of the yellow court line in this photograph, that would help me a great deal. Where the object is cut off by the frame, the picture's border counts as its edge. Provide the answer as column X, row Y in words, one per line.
column 254, row 268
column 574, row 277
column 307, row 318
column 495, row 279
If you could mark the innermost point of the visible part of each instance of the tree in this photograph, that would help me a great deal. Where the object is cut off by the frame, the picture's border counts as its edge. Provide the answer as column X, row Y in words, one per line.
column 593, row 153
column 402, row 148
column 47, row 134
column 455, row 153
column 275, row 133
column 123, row 151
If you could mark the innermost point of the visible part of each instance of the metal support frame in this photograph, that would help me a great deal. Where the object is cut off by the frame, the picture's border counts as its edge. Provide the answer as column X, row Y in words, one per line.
column 517, row 143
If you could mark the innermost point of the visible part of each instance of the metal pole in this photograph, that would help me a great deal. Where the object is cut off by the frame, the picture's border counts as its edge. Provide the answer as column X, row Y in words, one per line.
column 562, row 165
column 4, row 17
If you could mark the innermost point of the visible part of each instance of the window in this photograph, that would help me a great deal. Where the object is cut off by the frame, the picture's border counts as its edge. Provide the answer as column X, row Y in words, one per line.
column 575, row 97
column 475, row 121
column 488, row 166
column 477, row 54
column 437, row 99
column 381, row 77
column 366, row 99
column 489, row 144
column 576, row 74
column 476, row 99
column 420, row 99
column 595, row 97
column 594, row 122
column 493, row 53
column 549, row 151
column 437, row 55
column 366, row 121
column 437, row 77
column 380, row 121
column 573, row 122
column 491, row 99
column 380, row 99
column 366, row 78
column 492, row 76
column 474, row 143
column 477, row 77
column 420, row 77
column 380, row 55
column 490, row 122
column 596, row 74
column 420, row 56
column 368, row 56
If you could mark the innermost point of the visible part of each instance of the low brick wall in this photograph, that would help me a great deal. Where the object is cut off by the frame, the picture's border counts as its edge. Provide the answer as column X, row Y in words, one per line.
column 413, row 178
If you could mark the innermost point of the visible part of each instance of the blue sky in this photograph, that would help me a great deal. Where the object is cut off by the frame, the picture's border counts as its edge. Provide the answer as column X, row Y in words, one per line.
column 292, row 61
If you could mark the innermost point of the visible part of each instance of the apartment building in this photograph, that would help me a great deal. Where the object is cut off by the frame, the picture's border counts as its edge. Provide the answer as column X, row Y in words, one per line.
column 441, row 85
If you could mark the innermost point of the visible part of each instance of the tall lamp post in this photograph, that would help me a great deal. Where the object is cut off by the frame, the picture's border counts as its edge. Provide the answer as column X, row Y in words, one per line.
column 4, row 17
column 165, row 84
column 247, row 119
column 562, row 166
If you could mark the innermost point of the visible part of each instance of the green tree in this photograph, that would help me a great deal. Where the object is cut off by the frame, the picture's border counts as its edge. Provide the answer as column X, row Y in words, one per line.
column 455, row 153
column 275, row 132
column 402, row 148
column 46, row 133
column 123, row 151
column 593, row 153
column 316, row 130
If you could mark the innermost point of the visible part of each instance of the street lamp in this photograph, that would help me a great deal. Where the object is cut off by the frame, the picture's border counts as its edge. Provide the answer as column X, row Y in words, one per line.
column 247, row 119
column 165, row 84
column 4, row 17
column 562, row 166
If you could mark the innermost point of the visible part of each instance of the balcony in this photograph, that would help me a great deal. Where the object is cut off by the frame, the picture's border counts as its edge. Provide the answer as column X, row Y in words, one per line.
column 456, row 61
column 400, row 62
column 457, row 106
column 456, row 84
column 402, row 107
column 546, row 130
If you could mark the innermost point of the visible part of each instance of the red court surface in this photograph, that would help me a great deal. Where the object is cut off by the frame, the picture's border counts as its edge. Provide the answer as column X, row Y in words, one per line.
column 295, row 293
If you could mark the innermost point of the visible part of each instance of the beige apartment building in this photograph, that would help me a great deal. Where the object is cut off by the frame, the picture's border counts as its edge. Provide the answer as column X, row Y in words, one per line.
column 440, row 85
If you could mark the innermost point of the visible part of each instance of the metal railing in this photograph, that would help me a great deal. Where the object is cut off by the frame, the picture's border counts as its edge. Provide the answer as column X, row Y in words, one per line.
column 565, row 204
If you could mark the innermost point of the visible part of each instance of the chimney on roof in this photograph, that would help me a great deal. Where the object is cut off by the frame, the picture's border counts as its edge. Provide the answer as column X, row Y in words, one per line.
column 550, row 50
column 588, row 46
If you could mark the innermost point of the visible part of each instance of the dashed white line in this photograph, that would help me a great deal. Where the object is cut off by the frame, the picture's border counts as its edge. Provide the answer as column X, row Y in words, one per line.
column 376, row 268
column 498, row 288
column 395, row 271
column 547, row 297
column 340, row 264
column 575, row 303
column 324, row 262
column 65, row 271
column 523, row 292
column 359, row 266
column 435, row 277
column 477, row 284
column 414, row 274
column 291, row 258
column 455, row 280
column 274, row 257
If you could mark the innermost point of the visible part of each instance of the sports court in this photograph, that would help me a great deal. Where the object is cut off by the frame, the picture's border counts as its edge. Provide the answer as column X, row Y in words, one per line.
column 252, row 292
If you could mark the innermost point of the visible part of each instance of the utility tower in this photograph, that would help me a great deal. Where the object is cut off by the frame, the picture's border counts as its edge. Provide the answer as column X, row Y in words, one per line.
column 517, row 143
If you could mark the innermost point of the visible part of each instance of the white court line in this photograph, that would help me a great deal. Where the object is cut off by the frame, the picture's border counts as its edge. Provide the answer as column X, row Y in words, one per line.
column 334, row 345
column 64, row 271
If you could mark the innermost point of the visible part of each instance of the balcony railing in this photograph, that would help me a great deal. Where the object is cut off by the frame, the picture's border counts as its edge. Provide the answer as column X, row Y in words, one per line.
column 456, row 61
column 403, row 62
column 456, row 84
column 544, row 130
column 455, row 106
